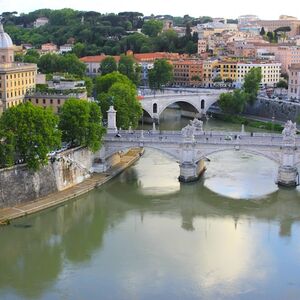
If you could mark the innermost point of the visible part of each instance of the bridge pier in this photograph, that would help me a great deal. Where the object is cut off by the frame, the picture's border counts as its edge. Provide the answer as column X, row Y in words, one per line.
column 288, row 176
column 287, row 172
column 190, row 172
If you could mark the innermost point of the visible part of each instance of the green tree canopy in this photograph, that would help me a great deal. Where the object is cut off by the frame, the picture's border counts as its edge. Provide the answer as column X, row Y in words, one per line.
column 103, row 83
column 81, row 123
column 152, row 27
column 54, row 63
column 282, row 84
column 251, row 84
column 108, row 65
column 161, row 74
column 32, row 132
column 233, row 102
column 128, row 66
column 117, row 89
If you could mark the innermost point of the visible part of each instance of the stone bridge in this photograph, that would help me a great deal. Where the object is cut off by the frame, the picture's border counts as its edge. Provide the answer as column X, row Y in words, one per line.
column 155, row 105
column 192, row 146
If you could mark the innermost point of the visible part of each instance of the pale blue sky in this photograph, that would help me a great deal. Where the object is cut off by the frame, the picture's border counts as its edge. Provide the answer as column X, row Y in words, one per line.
column 265, row 9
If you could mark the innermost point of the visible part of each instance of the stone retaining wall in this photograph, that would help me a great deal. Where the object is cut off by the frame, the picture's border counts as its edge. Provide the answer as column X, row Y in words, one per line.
column 281, row 110
column 18, row 184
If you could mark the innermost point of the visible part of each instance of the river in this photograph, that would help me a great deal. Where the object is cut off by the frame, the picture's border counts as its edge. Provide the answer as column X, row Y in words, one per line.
column 143, row 235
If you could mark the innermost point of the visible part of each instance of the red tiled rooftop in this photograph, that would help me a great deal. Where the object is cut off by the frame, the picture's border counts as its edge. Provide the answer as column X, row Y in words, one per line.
column 97, row 58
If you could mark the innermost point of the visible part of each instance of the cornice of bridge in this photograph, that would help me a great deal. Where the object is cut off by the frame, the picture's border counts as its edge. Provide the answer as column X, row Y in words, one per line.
column 183, row 95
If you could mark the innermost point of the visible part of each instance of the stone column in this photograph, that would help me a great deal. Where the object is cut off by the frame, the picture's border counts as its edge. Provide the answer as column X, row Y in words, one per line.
column 190, row 169
column 111, row 120
column 287, row 172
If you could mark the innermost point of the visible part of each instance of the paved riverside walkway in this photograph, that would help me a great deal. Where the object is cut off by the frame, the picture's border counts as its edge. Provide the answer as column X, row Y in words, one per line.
column 57, row 198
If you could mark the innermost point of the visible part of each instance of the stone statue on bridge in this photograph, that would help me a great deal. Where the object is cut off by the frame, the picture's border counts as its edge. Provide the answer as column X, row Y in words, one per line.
column 198, row 124
column 289, row 132
column 188, row 131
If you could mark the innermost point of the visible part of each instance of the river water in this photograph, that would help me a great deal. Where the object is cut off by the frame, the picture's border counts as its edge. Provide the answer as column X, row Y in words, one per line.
column 143, row 235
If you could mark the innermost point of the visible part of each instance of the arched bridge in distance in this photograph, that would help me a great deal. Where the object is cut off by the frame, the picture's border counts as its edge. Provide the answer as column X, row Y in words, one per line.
column 154, row 105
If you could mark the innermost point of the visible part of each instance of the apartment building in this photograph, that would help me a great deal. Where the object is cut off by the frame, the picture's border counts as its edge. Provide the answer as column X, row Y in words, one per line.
column 294, row 82
column 270, row 72
column 187, row 72
column 16, row 79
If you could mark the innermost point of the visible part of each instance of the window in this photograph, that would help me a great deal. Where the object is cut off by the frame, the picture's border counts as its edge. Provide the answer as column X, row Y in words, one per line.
column 202, row 104
column 155, row 108
column 36, row 101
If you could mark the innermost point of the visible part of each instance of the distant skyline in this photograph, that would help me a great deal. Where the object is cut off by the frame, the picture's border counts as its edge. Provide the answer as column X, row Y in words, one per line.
column 217, row 8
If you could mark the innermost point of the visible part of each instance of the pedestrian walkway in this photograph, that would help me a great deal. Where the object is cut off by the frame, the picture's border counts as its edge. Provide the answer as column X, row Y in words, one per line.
column 54, row 199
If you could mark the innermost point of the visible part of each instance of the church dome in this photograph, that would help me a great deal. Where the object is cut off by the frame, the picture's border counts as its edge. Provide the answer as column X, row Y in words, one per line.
column 5, row 40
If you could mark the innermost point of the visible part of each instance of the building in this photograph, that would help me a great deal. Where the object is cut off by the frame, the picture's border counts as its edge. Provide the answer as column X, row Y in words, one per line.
column 202, row 46
column 54, row 100
column 40, row 22
column 285, row 54
column 93, row 63
column 187, row 72
column 210, row 68
column 57, row 92
column 228, row 70
column 272, row 25
column 247, row 19
column 270, row 72
column 65, row 48
column 49, row 47
column 16, row 79
column 168, row 24
column 294, row 82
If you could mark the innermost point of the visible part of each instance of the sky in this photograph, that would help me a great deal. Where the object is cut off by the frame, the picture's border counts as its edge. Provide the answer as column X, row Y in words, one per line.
column 265, row 9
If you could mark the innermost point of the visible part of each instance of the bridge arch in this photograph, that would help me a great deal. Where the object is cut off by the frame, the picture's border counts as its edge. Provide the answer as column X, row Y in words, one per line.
column 267, row 155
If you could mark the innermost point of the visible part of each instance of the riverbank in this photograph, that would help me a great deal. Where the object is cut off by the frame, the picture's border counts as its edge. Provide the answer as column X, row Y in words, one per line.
column 252, row 121
column 58, row 198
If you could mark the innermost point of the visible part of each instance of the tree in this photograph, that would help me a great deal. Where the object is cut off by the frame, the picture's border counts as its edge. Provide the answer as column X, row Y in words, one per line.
column 191, row 47
column 54, row 63
column 188, row 31
column 89, row 85
column 282, row 84
column 78, row 49
column 161, row 74
column 262, row 31
column 116, row 89
column 33, row 131
column 251, row 84
column 6, row 148
column 81, row 123
column 104, row 83
column 233, row 102
column 129, row 110
column 218, row 78
column 127, row 66
column 108, row 65
column 152, row 27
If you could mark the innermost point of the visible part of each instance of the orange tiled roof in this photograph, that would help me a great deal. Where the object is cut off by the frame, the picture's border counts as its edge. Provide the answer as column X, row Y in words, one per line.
column 97, row 58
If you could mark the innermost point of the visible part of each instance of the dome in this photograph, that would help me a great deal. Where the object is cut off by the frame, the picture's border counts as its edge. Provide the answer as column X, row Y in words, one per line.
column 5, row 40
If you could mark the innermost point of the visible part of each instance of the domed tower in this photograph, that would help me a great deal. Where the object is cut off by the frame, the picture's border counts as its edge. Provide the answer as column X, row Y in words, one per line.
column 16, row 78
column 6, row 47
